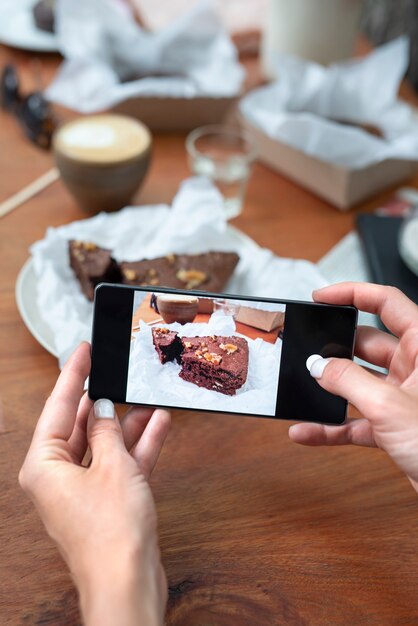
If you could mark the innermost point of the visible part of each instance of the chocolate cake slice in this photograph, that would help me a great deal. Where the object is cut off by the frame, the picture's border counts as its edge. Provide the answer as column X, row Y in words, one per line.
column 44, row 15
column 214, row 362
column 167, row 344
column 92, row 265
column 209, row 271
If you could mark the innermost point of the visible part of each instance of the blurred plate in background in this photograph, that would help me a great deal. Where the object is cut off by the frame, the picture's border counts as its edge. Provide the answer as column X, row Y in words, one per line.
column 18, row 28
column 26, row 300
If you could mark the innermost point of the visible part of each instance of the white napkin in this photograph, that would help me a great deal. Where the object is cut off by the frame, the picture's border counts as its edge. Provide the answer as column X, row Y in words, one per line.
column 160, row 384
column 109, row 58
column 299, row 108
column 194, row 223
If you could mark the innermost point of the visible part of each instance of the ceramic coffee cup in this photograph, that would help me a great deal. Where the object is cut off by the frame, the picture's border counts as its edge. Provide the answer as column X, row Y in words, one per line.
column 177, row 308
column 102, row 159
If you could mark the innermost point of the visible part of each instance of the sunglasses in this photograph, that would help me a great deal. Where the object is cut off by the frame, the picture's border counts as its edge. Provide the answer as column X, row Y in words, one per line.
column 32, row 111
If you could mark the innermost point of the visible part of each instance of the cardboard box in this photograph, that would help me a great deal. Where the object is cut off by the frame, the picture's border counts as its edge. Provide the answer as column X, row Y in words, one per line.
column 258, row 318
column 174, row 114
column 341, row 187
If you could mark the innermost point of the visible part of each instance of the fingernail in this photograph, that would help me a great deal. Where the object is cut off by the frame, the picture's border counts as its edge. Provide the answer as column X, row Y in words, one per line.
column 317, row 366
column 311, row 359
column 104, row 409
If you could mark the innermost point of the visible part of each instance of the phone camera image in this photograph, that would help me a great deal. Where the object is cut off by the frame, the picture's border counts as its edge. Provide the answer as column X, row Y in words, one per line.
column 218, row 354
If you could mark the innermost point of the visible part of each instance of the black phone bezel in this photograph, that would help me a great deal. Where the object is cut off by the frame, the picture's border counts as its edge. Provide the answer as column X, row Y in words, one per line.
column 111, row 336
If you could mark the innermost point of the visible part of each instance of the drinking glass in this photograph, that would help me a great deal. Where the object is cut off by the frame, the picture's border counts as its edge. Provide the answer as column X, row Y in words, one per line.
column 224, row 154
column 323, row 31
column 228, row 307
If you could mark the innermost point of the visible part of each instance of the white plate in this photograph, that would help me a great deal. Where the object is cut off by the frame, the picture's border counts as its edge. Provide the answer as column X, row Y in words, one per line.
column 26, row 301
column 26, row 298
column 18, row 28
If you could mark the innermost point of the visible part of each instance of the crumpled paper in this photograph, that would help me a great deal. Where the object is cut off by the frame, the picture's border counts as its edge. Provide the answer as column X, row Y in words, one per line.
column 150, row 382
column 194, row 223
column 299, row 108
column 110, row 58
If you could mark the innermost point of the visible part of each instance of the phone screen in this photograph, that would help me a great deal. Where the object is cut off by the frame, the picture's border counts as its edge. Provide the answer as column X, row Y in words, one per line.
column 209, row 352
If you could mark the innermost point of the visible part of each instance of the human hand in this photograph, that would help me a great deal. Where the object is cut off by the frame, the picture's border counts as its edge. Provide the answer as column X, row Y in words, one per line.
column 102, row 516
column 389, row 403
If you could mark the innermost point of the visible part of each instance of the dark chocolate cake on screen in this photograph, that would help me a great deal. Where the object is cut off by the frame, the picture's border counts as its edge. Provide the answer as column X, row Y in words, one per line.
column 209, row 271
column 92, row 265
column 167, row 344
column 213, row 362
column 216, row 363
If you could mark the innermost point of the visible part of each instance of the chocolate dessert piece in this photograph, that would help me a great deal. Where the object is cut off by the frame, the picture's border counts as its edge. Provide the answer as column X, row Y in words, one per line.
column 92, row 265
column 214, row 362
column 44, row 15
column 167, row 344
column 209, row 271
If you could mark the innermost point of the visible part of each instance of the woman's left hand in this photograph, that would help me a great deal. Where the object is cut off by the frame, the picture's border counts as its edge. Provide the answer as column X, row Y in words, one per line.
column 102, row 516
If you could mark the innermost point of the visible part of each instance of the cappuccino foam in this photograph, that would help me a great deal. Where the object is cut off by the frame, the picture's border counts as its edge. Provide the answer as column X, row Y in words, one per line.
column 104, row 138
column 177, row 298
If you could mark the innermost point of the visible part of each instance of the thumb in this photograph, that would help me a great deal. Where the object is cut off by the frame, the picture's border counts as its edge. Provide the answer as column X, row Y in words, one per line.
column 104, row 432
column 345, row 378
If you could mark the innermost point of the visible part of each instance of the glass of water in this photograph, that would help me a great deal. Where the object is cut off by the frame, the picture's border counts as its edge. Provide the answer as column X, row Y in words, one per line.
column 224, row 154
column 227, row 307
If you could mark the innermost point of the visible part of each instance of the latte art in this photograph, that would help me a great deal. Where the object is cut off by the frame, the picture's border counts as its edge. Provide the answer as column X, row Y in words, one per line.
column 102, row 159
column 103, row 139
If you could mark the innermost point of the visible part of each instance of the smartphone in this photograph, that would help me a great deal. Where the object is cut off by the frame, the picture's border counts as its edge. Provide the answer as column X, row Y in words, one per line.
column 210, row 352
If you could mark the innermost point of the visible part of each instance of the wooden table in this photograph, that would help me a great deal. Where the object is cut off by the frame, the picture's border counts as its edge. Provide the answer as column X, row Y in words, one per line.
column 254, row 529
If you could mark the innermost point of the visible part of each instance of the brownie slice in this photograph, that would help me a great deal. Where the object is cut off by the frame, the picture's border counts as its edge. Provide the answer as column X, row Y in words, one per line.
column 214, row 362
column 92, row 265
column 209, row 271
column 167, row 344
column 44, row 15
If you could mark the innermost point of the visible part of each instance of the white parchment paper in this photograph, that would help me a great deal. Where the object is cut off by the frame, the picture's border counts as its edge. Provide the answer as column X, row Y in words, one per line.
column 194, row 223
column 149, row 381
column 300, row 109
column 110, row 58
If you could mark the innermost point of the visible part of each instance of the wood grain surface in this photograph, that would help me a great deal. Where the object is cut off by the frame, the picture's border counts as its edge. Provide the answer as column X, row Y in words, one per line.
column 253, row 529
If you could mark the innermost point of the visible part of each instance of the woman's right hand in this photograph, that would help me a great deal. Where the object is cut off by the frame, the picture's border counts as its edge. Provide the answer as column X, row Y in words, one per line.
column 389, row 403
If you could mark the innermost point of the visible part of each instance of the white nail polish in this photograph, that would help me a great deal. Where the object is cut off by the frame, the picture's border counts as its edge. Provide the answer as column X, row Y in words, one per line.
column 311, row 359
column 317, row 367
column 104, row 409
